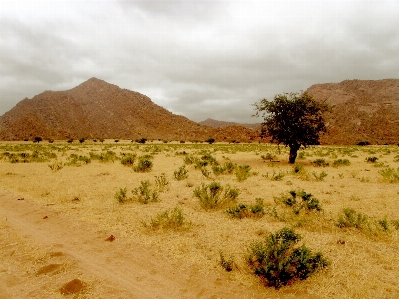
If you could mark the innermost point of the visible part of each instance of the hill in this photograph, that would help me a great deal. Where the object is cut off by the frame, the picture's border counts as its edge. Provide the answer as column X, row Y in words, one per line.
column 97, row 109
column 361, row 110
column 223, row 124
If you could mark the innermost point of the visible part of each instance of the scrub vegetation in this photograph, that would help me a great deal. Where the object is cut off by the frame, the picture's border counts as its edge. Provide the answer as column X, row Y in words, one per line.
column 326, row 226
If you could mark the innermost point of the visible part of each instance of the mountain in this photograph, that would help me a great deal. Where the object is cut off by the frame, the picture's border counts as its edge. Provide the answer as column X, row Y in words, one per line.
column 361, row 110
column 223, row 124
column 97, row 109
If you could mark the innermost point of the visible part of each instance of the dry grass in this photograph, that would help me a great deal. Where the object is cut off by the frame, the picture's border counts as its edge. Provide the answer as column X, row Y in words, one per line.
column 364, row 263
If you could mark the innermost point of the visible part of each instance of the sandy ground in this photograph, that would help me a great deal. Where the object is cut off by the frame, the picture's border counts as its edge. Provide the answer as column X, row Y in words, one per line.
column 59, row 249
column 53, row 246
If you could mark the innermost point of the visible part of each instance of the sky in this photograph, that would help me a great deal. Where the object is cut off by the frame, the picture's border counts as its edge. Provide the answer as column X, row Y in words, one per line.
column 200, row 59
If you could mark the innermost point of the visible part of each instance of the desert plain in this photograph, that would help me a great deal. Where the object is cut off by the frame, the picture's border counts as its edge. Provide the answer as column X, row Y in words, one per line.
column 71, row 227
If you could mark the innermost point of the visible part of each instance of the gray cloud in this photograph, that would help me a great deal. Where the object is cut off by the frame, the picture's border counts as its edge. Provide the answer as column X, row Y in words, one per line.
column 197, row 58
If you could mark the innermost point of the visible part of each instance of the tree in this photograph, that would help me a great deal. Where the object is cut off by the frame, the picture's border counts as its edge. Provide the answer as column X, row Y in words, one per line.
column 37, row 139
column 292, row 119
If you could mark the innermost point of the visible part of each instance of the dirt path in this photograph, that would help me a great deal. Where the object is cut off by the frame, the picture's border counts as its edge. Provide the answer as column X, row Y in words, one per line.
column 70, row 249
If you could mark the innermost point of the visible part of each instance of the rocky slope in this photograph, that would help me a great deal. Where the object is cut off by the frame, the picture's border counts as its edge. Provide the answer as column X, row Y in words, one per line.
column 97, row 109
column 223, row 124
column 361, row 110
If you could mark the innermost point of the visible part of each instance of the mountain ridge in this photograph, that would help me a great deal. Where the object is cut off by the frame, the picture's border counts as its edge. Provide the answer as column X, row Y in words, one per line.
column 97, row 109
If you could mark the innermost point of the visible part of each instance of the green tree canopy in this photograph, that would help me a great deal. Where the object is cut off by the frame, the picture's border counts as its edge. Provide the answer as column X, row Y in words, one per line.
column 292, row 119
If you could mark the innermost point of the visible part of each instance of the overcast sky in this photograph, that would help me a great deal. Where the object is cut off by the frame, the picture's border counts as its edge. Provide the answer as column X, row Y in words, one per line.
column 196, row 58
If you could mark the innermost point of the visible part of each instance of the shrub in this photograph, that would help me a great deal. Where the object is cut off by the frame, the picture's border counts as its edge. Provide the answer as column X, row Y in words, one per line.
column 144, row 194
column 298, row 168
column 209, row 159
column 205, row 172
column 226, row 168
column 128, row 160
column 320, row 163
column 120, row 195
column 226, row 263
column 181, row 173
column 70, row 140
column 75, row 160
column 341, row 162
column 56, row 166
column 279, row 260
column 247, row 211
column 384, row 224
column 142, row 140
column 390, row 175
column 277, row 176
column 300, row 200
column 395, row 223
column 144, row 165
column 371, row 159
column 319, row 177
column 189, row 159
column 243, row 172
column 210, row 140
column 214, row 195
column 268, row 156
column 81, row 140
column 350, row 218
column 37, row 139
column 363, row 143
column 161, row 182
column 169, row 219
column 108, row 156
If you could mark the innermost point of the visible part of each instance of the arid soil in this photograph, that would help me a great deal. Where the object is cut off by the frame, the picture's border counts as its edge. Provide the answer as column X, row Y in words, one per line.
column 63, row 233
column 42, row 250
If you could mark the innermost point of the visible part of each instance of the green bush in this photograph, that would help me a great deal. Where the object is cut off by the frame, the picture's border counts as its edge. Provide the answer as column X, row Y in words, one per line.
column 243, row 172
column 268, row 156
column 300, row 200
column 144, row 194
column 188, row 159
column 181, row 173
column 395, row 223
column 128, row 160
column 108, row 156
column 371, row 159
column 319, row 177
column 226, row 263
column 168, row 220
column 320, row 163
column 161, row 182
column 350, row 218
column 277, row 176
column 75, row 160
column 214, row 195
column 247, row 211
column 205, row 172
column 226, row 168
column 210, row 140
column 341, row 162
column 390, row 175
column 279, row 261
column 120, row 195
column 210, row 159
column 56, row 166
column 144, row 165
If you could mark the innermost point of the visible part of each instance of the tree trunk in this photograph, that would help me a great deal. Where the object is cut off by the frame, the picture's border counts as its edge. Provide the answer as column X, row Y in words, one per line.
column 293, row 154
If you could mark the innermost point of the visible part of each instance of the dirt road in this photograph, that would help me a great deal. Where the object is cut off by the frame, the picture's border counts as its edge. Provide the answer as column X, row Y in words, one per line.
column 41, row 250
